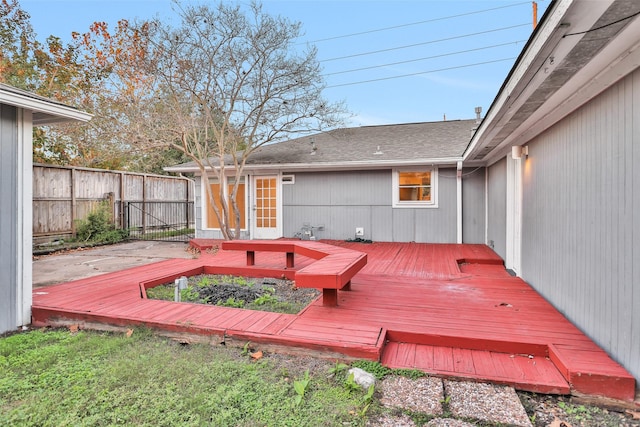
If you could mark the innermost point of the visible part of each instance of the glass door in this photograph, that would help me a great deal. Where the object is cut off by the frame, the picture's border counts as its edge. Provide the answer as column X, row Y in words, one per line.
column 266, row 216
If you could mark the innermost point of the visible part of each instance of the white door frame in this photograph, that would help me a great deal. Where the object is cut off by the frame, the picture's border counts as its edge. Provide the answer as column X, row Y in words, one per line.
column 258, row 232
column 514, row 215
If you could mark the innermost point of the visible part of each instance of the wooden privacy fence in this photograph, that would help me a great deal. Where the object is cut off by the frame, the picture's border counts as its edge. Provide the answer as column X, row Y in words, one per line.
column 143, row 203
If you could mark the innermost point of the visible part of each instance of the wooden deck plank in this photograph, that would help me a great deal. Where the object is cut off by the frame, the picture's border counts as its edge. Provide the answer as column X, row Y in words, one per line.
column 448, row 362
column 463, row 361
column 274, row 326
column 253, row 322
column 365, row 336
column 406, row 354
column 443, row 360
column 424, row 356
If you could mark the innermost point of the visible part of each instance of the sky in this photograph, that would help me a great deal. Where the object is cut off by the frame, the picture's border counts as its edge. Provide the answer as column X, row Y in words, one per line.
column 390, row 62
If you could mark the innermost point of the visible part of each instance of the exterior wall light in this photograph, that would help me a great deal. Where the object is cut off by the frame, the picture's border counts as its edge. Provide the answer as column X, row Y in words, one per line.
column 519, row 151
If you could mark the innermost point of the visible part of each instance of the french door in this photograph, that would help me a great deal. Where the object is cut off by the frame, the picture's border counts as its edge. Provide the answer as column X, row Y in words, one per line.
column 266, row 207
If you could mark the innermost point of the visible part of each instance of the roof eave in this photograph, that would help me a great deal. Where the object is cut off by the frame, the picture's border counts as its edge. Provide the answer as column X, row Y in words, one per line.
column 539, row 39
column 45, row 112
column 620, row 56
column 333, row 166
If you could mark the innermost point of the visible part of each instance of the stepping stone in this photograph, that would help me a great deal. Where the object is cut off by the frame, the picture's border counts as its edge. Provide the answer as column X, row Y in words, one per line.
column 448, row 422
column 486, row 402
column 424, row 395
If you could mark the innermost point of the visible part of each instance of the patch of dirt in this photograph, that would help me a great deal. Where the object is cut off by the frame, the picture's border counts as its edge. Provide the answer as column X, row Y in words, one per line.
column 283, row 290
column 561, row 411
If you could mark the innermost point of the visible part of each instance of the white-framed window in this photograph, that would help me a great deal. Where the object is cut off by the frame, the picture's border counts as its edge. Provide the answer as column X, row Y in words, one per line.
column 415, row 187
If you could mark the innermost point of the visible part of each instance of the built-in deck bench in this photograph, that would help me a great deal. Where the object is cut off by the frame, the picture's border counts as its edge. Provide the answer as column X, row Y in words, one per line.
column 332, row 271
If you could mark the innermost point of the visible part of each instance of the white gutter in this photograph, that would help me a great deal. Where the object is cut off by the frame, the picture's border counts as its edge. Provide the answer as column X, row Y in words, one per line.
column 314, row 167
column 486, row 206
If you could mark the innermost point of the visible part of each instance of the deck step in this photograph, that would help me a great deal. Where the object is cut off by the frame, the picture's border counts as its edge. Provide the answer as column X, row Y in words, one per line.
column 529, row 373
column 328, row 339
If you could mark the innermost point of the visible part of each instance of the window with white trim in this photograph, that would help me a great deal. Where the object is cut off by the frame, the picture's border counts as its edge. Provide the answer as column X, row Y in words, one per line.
column 415, row 188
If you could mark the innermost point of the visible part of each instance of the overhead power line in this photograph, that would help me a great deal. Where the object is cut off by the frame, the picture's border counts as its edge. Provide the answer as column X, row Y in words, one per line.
column 415, row 23
column 603, row 26
column 425, row 58
column 424, row 43
column 421, row 72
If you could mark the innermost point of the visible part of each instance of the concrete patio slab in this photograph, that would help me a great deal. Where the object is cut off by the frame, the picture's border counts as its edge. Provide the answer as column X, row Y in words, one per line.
column 82, row 263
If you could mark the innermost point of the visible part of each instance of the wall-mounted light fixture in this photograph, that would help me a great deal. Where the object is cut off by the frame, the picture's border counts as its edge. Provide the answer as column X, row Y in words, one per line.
column 519, row 151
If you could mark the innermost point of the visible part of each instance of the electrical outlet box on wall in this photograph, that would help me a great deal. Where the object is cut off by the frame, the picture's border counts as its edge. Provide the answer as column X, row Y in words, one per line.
column 359, row 231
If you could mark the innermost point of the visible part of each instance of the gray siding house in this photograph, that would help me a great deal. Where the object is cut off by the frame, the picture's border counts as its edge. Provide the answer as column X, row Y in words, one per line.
column 19, row 112
column 549, row 178
column 397, row 183
column 561, row 147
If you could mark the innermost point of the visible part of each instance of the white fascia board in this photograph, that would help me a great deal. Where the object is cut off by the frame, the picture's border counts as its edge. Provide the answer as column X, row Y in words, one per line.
column 615, row 61
column 505, row 105
column 58, row 111
column 318, row 167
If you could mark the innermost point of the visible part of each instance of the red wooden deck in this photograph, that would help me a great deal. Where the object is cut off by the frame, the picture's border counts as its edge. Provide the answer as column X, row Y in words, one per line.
column 450, row 310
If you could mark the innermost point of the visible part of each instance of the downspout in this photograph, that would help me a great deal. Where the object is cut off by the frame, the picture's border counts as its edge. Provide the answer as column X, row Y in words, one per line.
column 459, row 202
column 191, row 189
column 486, row 206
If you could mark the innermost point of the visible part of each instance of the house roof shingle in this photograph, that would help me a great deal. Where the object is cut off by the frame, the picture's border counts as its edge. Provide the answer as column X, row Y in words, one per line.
column 367, row 145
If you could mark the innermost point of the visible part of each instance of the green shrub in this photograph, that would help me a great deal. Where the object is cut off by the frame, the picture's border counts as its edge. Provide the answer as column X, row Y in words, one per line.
column 97, row 227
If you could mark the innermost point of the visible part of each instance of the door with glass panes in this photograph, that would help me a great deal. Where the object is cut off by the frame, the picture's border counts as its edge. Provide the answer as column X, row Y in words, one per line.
column 266, row 214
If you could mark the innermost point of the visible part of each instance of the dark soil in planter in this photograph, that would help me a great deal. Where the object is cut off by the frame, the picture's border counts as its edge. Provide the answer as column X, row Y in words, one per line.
column 267, row 294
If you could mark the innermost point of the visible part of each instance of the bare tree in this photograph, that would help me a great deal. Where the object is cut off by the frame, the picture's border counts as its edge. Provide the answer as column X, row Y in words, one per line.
column 231, row 81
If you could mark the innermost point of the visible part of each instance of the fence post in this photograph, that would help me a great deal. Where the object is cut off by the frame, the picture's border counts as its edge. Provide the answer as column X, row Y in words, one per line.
column 72, row 188
column 122, row 191
column 186, row 181
column 125, row 215
column 144, row 205
column 112, row 206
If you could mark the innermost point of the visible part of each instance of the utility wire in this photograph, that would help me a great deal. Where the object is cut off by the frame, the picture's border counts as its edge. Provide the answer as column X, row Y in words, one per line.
column 424, row 43
column 414, row 23
column 602, row 26
column 425, row 58
column 420, row 73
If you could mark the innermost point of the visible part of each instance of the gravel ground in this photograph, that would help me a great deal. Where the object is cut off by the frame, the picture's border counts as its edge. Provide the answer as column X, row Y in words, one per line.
column 421, row 395
column 448, row 403
column 391, row 420
column 448, row 422
column 547, row 410
column 486, row 402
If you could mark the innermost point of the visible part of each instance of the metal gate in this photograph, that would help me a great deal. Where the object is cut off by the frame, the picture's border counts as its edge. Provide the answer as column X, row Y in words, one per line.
column 164, row 221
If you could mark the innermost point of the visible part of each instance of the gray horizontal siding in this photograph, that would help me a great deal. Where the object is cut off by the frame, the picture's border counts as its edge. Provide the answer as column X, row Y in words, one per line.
column 473, row 208
column 581, row 206
column 338, row 202
column 8, row 218
column 497, row 207
column 342, row 201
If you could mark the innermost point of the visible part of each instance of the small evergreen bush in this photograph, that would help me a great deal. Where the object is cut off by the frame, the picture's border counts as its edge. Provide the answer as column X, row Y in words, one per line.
column 97, row 228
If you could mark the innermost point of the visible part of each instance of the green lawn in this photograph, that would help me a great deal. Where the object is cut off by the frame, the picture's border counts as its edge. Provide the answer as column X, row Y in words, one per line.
column 56, row 378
